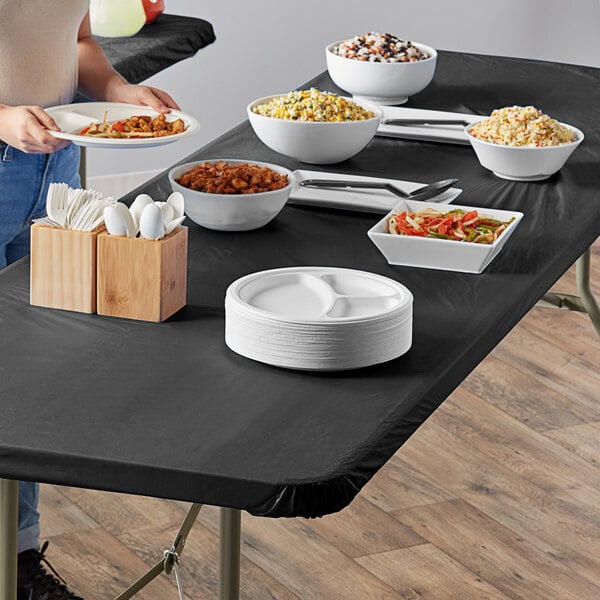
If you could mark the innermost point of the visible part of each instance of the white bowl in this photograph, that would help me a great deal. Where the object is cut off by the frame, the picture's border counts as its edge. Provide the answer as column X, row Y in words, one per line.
column 231, row 212
column 381, row 82
column 314, row 142
column 523, row 163
column 433, row 253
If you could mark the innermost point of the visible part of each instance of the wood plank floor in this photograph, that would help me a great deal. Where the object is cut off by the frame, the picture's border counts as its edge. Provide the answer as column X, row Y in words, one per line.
column 497, row 496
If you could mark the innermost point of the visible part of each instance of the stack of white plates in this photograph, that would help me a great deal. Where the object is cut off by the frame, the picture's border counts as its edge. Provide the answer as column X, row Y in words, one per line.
column 318, row 318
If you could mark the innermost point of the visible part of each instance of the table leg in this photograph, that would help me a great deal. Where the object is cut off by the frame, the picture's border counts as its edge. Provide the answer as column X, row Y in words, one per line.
column 82, row 166
column 585, row 301
column 229, row 580
column 170, row 559
column 9, row 507
column 582, row 275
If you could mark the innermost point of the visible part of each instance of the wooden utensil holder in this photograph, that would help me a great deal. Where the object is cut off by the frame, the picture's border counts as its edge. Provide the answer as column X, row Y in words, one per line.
column 142, row 279
column 63, row 268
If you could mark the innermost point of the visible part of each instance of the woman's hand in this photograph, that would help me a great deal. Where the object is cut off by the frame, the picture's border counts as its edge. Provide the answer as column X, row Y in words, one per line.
column 26, row 128
column 142, row 95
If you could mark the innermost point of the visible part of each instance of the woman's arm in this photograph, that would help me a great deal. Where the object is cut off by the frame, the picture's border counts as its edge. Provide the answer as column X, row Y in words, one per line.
column 26, row 127
column 98, row 80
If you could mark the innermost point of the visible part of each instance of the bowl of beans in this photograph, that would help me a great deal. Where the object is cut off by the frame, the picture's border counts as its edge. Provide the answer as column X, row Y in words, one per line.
column 381, row 67
column 231, row 194
column 313, row 126
column 521, row 143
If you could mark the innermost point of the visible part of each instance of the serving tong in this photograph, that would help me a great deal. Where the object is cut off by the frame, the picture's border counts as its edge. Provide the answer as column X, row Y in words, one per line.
column 423, row 193
column 426, row 122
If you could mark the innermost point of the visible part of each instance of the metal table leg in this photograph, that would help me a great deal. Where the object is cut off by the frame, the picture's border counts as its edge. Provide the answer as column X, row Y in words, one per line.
column 82, row 166
column 230, row 541
column 585, row 301
column 582, row 274
column 170, row 561
column 9, row 507
column 229, row 584
column 229, row 580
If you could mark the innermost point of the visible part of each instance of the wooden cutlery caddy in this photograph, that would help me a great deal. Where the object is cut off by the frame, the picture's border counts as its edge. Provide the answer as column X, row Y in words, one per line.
column 142, row 279
column 63, row 268
column 114, row 276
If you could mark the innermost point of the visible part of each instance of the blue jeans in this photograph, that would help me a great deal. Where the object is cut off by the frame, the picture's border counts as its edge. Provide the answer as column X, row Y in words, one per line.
column 24, row 181
column 29, row 519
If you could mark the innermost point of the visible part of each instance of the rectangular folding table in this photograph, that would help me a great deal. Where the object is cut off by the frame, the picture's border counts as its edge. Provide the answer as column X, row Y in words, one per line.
column 167, row 410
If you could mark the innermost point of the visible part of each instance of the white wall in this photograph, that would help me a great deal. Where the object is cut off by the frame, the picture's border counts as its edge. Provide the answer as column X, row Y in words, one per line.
column 273, row 46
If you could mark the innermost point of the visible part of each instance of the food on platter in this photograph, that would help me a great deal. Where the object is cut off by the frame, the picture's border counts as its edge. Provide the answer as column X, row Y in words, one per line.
column 313, row 105
column 457, row 224
column 232, row 178
column 380, row 47
column 140, row 126
column 522, row 126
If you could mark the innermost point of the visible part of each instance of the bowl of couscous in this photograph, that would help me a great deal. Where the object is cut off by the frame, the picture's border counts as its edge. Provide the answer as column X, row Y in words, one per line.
column 521, row 143
column 313, row 126
column 380, row 67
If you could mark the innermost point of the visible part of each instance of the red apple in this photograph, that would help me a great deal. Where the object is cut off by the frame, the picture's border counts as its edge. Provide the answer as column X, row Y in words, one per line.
column 153, row 9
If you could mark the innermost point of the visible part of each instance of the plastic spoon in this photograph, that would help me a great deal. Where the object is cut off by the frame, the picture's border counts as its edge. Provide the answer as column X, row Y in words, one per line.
column 115, row 224
column 137, row 206
column 177, row 201
column 167, row 211
column 127, row 218
column 151, row 222
column 174, row 223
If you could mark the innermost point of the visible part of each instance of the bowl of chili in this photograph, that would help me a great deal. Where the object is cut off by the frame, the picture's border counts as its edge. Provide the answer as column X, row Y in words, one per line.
column 231, row 194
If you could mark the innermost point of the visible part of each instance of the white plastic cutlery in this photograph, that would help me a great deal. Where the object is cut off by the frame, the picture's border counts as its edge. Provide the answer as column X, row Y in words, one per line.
column 152, row 220
column 76, row 209
column 57, row 203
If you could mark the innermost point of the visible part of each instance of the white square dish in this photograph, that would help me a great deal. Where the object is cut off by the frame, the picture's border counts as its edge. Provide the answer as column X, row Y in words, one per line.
column 433, row 253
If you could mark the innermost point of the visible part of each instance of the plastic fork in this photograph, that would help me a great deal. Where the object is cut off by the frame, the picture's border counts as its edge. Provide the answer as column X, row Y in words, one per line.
column 57, row 203
column 77, row 199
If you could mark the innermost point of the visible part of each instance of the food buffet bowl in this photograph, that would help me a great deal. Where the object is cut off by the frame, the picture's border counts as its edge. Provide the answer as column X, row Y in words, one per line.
column 381, row 82
column 231, row 212
column 523, row 163
column 315, row 142
column 432, row 253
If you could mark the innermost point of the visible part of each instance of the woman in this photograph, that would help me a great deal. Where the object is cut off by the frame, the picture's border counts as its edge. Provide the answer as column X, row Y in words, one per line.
column 47, row 53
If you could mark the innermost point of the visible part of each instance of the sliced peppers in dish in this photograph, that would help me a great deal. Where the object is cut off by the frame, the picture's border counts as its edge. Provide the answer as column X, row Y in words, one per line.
column 458, row 225
column 140, row 126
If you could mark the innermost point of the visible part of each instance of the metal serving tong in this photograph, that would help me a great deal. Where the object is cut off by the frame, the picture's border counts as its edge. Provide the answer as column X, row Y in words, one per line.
column 427, row 122
column 422, row 193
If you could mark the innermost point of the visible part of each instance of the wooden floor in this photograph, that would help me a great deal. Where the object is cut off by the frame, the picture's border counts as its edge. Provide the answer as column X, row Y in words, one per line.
column 497, row 496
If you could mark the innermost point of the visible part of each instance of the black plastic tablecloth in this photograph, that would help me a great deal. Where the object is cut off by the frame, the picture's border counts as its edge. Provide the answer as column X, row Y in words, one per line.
column 168, row 410
column 170, row 39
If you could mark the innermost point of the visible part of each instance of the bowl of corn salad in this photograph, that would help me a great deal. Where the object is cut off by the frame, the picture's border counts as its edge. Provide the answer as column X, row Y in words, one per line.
column 521, row 143
column 313, row 126
column 381, row 67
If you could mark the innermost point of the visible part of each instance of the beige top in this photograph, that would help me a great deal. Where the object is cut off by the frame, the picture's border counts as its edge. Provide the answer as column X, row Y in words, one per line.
column 38, row 50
